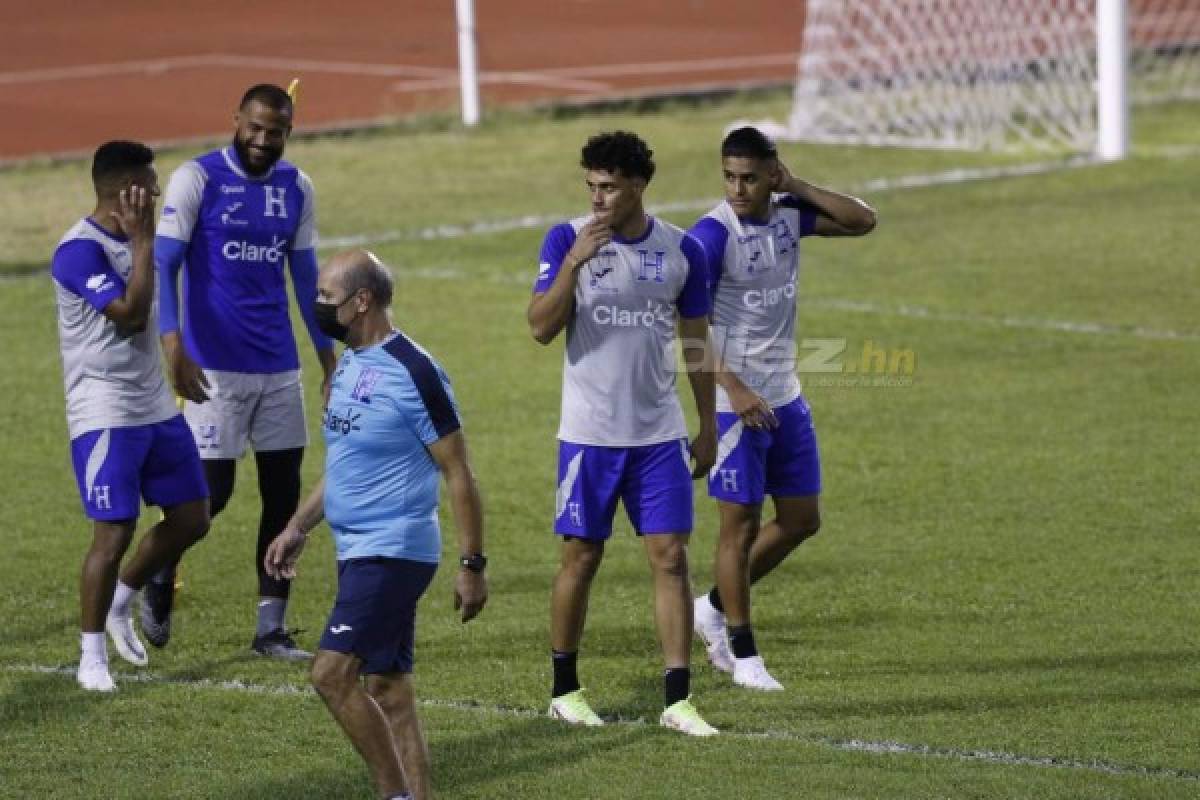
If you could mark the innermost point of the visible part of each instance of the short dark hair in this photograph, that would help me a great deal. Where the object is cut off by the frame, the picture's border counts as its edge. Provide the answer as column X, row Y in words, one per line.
column 368, row 272
column 116, row 160
column 619, row 151
column 748, row 143
column 269, row 95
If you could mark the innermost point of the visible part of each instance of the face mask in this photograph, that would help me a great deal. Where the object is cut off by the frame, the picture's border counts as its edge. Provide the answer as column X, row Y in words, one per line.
column 327, row 321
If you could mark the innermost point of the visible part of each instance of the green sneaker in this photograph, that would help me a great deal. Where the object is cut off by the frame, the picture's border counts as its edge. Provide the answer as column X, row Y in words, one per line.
column 684, row 717
column 572, row 709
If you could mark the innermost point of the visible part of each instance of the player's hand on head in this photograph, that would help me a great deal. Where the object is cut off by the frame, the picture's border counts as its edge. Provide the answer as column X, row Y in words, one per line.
column 135, row 212
column 781, row 177
column 470, row 593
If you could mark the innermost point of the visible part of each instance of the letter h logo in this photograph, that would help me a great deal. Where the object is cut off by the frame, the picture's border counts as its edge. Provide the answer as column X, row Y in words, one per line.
column 100, row 498
column 274, row 202
column 649, row 266
column 729, row 480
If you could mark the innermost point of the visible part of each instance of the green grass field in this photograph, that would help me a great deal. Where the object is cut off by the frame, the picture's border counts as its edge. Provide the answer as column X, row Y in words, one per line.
column 1002, row 603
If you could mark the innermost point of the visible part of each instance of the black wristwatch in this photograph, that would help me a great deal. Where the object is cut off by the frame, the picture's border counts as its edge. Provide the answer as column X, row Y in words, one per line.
column 475, row 563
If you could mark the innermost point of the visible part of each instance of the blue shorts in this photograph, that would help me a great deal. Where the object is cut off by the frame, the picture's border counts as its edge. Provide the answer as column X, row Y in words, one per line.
column 654, row 482
column 752, row 463
column 375, row 613
column 116, row 468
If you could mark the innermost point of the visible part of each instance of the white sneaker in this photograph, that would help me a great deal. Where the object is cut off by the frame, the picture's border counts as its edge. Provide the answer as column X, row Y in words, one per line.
column 710, row 627
column 129, row 646
column 752, row 673
column 684, row 717
column 573, row 709
column 93, row 676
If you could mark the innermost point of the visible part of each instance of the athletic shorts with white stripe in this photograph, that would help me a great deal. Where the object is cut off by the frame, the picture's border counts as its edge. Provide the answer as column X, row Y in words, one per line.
column 653, row 481
column 752, row 463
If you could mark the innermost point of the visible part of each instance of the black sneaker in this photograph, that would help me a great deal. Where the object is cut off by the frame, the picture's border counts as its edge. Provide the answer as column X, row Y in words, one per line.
column 279, row 644
column 156, row 612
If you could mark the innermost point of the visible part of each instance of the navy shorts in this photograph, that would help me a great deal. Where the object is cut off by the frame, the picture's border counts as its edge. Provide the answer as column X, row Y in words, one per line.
column 374, row 615
column 752, row 463
column 116, row 468
column 654, row 482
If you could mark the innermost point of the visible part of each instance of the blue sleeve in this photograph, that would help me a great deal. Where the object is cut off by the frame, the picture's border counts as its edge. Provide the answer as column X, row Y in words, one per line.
column 435, row 414
column 168, row 258
column 303, row 264
column 808, row 214
column 555, row 246
column 712, row 237
column 81, row 266
column 694, row 299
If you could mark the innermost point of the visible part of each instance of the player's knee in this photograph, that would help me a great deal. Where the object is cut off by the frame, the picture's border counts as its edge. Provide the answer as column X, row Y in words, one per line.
column 803, row 528
column 582, row 563
column 739, row 534
column 671, row 560
column 329, row 678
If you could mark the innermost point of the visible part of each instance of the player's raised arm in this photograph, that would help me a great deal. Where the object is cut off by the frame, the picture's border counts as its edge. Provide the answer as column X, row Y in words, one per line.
column 563, row 254
column 837, row 214
column 134, row 217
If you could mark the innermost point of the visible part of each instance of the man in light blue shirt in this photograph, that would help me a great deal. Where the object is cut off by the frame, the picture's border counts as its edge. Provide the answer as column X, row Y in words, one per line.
column 391, row 426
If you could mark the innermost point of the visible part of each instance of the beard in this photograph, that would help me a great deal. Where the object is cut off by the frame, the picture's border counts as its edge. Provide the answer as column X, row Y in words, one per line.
column 248, row 159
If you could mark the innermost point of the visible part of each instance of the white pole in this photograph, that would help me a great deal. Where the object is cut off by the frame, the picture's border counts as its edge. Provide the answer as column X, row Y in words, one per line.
column 468, row 68
column 1112, row 80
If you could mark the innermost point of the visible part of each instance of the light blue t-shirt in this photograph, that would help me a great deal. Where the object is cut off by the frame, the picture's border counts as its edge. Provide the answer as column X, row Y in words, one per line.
column 388, row 402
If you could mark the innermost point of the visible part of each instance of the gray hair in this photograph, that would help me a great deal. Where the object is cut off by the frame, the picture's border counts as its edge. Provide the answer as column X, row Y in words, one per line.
column 368, row 272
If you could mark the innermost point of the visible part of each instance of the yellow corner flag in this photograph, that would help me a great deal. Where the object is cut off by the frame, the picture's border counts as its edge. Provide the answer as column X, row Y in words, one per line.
column 293, row 90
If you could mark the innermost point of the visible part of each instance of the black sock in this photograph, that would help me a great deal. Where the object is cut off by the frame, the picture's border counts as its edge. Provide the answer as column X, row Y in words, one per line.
column 566, row 679
column 741, row 640
column 678, row 684
column 714, row 597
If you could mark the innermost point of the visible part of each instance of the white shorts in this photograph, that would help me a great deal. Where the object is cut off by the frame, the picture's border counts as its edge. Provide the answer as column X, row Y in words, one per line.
column 265, row 410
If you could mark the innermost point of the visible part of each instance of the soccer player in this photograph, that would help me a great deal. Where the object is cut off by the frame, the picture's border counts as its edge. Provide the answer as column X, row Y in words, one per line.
column 767, row 444
column 620, row 282
column 231, row 219
column 128, row 441
column 391, row 425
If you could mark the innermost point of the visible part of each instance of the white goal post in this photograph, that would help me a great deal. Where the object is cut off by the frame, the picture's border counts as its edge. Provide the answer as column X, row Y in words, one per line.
column 990, row 74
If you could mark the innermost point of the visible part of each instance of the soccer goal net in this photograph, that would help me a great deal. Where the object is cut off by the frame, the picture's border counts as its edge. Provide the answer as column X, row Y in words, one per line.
column 979, row 74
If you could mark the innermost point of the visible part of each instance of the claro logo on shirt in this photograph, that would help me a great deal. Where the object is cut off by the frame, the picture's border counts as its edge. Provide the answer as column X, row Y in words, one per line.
column 766, row 298
column 255, row 253
column 625, row 318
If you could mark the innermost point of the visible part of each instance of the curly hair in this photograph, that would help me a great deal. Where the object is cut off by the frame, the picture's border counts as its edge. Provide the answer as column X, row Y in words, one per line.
column 619, row 152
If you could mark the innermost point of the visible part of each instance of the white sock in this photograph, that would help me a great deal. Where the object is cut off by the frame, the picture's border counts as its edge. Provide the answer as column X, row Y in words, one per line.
column 93, row 647
column 405, row 796
column 122, row 595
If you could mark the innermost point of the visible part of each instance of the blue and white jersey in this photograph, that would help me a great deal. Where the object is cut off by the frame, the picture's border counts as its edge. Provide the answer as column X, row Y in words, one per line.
column 111, row 380
column 753, row 270
column 619, row 366
column 388, row 402
column 238, row 230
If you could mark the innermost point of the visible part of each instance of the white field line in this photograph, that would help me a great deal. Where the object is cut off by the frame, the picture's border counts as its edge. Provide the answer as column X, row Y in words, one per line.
column 850, row 745
column 570, row 77
column 876, row 185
